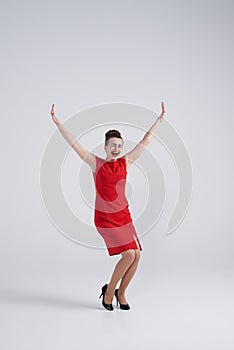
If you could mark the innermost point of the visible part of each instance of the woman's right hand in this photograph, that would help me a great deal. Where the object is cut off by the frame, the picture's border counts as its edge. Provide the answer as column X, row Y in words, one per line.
column 55, row 120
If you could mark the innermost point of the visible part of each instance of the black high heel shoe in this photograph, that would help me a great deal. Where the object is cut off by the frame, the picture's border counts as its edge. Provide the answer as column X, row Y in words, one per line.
column 107, row 306
column 122, row 306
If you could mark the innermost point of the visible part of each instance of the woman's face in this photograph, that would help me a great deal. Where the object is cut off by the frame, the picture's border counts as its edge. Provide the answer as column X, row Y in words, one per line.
column 114, row 148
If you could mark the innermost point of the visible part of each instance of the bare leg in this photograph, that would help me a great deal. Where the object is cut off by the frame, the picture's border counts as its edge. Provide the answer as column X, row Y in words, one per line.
column 127, row 277
column 121, row 267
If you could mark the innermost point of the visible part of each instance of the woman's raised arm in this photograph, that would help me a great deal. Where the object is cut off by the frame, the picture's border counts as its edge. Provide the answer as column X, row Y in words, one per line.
column 132, row 155
column 85, row 155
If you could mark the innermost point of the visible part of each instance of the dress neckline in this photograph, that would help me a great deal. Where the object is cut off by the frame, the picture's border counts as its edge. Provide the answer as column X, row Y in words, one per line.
column 109, row 161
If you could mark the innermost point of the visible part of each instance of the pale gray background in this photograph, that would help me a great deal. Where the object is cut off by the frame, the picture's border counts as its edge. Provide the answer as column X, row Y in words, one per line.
column 81, row 53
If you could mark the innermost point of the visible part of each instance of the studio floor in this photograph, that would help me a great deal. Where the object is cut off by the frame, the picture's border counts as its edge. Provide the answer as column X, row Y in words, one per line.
column 174, row 311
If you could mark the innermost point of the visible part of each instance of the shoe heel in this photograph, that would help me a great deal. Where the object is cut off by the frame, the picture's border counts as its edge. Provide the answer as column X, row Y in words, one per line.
column 117, row 301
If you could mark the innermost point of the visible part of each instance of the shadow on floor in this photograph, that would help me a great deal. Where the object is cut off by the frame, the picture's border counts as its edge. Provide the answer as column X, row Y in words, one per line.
column 45, row 299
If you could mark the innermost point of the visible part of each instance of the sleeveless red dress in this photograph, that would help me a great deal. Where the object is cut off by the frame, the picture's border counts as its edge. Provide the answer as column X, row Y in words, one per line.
column 111, row 216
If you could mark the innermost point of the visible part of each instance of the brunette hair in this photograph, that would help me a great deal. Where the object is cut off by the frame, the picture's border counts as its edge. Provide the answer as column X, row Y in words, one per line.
column 112, row 133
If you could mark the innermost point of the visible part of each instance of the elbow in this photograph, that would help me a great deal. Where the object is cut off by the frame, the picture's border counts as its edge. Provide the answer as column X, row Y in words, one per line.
column 146, row 140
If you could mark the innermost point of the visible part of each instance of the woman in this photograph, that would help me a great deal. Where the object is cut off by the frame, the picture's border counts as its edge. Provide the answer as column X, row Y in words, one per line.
column 112, row 217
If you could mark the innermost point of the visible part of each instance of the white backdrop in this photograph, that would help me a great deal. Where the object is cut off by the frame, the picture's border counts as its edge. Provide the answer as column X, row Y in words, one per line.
column 78, row 54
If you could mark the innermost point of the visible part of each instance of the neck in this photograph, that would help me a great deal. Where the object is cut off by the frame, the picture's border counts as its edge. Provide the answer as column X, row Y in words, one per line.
column 111, row 160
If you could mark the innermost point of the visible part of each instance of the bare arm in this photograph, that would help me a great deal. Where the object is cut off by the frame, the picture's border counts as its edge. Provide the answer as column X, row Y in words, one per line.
column 132, row 155
column 85, row 155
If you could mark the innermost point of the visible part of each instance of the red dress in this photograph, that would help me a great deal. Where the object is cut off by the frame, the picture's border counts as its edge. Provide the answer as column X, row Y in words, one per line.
column 111, row 216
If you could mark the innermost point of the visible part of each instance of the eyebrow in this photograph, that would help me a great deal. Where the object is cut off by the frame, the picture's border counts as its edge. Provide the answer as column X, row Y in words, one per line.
column 112, row 143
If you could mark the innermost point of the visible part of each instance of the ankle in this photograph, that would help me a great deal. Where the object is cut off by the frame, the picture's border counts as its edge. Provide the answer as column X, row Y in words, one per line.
column 109, row 291
column 121, row 291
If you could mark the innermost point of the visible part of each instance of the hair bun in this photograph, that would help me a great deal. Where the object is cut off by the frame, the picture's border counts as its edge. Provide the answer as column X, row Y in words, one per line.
column 112, row 133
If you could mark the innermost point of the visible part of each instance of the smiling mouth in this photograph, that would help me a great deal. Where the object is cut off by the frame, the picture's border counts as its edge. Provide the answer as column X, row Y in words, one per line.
column 114, row 153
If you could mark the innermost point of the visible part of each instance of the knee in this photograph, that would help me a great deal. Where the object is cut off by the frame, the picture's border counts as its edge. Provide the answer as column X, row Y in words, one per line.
column 137, row 255
column 129, row 255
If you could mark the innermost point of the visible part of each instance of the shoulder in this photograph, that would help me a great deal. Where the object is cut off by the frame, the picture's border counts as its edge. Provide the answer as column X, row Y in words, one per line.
column 97, row 163
column 125, row 160
column 122, row 159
